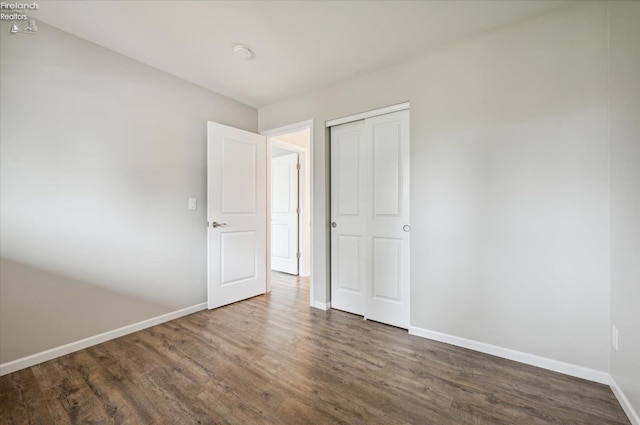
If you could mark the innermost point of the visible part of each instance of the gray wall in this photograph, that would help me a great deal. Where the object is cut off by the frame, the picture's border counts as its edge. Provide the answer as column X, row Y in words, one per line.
column 509, row 183
column 625, row 195
column 40, row 310
column 99, row 154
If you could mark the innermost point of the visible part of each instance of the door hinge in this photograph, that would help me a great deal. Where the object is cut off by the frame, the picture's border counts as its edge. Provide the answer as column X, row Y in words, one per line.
column 298, row 210
column 298, row 255
column 298, row 166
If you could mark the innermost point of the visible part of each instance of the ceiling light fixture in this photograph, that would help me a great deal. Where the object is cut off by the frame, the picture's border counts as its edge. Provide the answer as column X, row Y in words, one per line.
column 243, row 52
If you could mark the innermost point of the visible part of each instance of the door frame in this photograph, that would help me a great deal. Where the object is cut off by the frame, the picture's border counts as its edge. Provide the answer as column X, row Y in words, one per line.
column 291, row 128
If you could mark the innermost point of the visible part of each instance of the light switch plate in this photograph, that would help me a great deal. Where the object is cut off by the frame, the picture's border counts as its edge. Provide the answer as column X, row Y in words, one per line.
column 193, row 204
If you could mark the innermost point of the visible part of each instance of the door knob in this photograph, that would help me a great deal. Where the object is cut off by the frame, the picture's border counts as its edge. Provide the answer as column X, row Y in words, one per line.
column 334, row 224
column 216, row 224
column 406, row 228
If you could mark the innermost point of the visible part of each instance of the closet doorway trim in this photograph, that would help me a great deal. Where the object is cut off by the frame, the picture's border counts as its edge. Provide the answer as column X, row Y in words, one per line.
column 368, row 114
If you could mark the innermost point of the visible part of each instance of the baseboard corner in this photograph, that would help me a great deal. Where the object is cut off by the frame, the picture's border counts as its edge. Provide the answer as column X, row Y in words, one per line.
column 631, row 413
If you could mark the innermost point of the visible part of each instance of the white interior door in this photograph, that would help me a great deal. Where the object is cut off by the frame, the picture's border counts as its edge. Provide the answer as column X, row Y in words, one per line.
column 388, row 223
column 349, row 205
column 370, row 218
column 284, row 213
column 236, row 213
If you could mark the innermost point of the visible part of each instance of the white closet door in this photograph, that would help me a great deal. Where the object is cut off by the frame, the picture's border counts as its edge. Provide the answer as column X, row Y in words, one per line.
column 349, row 205
column 388, row 296
column 284, row 213
column 370, row 218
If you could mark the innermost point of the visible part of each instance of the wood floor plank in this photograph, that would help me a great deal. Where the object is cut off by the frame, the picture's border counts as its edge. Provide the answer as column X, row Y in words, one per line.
column 274, row 360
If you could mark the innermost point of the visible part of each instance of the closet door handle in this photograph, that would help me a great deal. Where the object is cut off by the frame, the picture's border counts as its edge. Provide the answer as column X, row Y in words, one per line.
column 334, row 224
column 406, row 228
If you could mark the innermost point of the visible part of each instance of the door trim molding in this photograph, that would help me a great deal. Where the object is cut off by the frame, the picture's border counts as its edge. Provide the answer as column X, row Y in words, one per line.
column 275, row 132
column 368, row 114
column 291, row 128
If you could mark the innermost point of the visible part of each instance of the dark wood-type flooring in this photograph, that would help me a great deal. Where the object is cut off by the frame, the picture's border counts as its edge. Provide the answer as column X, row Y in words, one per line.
column 274, row 360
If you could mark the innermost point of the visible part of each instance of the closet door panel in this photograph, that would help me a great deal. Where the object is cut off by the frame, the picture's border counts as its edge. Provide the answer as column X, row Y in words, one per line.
column 348, row 206
column 370, row 218
column 388, row 297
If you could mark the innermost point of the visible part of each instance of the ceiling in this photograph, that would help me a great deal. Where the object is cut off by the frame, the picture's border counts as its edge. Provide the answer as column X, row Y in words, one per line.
column 299, row 46
column 299, row 138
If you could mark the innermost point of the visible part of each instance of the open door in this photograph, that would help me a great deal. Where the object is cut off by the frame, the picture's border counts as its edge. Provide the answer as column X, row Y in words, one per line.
column 284, row 213
column 236, row 214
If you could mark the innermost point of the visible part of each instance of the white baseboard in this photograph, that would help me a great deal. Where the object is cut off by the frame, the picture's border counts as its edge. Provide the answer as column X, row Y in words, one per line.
column 518, row 356
column 53, row 353
column 634, row 418
column 321, row 306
